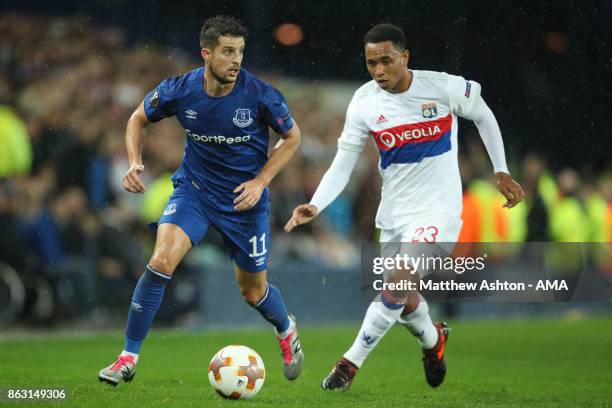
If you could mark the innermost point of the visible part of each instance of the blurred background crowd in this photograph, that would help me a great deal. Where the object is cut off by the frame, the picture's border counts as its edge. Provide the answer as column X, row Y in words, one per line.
column 69, row 83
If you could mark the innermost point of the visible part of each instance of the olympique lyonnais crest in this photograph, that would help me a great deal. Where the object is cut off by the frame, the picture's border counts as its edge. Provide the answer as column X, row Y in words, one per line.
column 430, row 110
column 242, row 118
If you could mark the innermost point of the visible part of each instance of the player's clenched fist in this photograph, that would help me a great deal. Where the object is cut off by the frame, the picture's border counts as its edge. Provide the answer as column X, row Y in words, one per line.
column 301, row 215
column 510, row 189
column 131, row 180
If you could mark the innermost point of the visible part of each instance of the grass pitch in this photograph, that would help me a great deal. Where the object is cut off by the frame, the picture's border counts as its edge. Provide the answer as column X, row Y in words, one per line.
column 500, row 363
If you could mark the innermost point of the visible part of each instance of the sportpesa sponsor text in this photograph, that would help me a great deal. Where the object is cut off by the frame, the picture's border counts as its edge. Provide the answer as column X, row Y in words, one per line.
column 219, row 139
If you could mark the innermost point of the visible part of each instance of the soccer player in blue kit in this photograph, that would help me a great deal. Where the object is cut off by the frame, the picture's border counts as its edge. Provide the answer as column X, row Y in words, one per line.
column 222, row 182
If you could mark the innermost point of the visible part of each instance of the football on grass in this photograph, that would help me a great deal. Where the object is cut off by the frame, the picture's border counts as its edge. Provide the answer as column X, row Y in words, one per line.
column 236, row 372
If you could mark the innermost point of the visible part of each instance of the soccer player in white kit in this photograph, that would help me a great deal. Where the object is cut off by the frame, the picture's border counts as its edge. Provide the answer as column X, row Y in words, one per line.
column 412, row 117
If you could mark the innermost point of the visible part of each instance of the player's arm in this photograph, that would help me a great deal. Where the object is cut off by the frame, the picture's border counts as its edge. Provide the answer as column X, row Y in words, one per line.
column 250, row 191
column 133, row 144
column 350, row 144
column 465, row 100
column 489, row 131
column 333, row 183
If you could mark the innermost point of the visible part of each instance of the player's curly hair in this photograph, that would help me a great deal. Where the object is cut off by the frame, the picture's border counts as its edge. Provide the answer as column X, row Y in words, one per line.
column 386, row 32
column 217, row 26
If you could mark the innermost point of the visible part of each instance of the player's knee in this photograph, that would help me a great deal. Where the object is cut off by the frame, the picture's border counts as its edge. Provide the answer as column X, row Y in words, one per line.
column 253, row 293
column 162, row 264
column 416, row 309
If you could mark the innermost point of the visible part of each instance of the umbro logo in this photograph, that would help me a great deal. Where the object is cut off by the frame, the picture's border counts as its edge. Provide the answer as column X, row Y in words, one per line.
column 260, row 261
column 137, row 307
column 381, row 119
column 191, row 114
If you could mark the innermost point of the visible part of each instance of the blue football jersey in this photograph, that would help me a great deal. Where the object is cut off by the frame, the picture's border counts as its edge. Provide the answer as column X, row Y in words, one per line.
column 227, row 137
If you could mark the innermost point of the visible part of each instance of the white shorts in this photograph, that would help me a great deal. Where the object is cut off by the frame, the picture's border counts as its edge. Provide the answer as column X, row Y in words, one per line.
column 427, row 228
column 427, row 235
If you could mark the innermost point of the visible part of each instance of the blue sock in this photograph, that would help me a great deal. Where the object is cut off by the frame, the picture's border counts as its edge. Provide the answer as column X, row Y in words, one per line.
column 145, row 303
column 272, row 308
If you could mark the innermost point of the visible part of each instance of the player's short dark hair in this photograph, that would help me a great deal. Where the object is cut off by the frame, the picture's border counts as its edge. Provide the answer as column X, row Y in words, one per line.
column 217, row 26
column 386, row 32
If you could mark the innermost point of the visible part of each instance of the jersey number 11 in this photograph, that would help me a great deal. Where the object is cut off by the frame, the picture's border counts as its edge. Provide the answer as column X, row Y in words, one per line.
column 253, row 241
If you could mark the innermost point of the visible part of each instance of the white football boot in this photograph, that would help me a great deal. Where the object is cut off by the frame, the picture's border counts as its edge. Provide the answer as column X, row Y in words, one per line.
column 122, row 369
column 291, row 351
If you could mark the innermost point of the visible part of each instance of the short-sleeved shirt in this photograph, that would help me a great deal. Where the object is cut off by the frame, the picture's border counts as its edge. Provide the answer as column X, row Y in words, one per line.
column 416, row 135
column 227, row 137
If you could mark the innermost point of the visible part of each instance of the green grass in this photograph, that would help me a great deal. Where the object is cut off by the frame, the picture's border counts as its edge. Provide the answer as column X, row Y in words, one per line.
column 501, row 363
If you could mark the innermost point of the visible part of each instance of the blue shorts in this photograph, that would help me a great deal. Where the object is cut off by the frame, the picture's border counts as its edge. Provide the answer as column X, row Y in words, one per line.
column 246, row 235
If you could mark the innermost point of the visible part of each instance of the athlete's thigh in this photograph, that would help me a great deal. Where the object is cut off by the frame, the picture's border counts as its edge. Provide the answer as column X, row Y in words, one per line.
column 171, row 245
column 247, row 237
column 391, row 245
column 182, row 225
column 186, row 210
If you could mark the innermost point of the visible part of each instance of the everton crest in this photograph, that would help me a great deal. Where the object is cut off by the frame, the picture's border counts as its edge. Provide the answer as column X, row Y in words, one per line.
column 170, row 209
column 242, row 118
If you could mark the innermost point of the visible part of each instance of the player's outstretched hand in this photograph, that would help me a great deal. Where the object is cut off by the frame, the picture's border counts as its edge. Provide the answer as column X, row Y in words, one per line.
column 131, row 180
column 301, row 215
column 510, row 189
column 250, row 193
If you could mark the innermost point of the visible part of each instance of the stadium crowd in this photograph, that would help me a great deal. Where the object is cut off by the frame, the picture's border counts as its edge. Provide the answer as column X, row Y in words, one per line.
column 67, row 89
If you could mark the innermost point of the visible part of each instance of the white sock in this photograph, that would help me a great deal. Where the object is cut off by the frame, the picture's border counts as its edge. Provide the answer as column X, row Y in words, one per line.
column 376, row 323
column 420, row 325
column 283, row 335
column 127, row 353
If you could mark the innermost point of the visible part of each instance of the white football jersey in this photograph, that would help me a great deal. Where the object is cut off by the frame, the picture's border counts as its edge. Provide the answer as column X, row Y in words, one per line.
column 416, row 135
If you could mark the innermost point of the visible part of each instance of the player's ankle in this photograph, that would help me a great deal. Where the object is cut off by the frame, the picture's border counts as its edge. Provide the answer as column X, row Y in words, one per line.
column 128, row 353
column 283, row 335
column 348, row 362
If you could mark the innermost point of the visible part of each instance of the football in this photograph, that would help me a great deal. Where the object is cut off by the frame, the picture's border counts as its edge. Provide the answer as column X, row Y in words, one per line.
column 236, row 372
